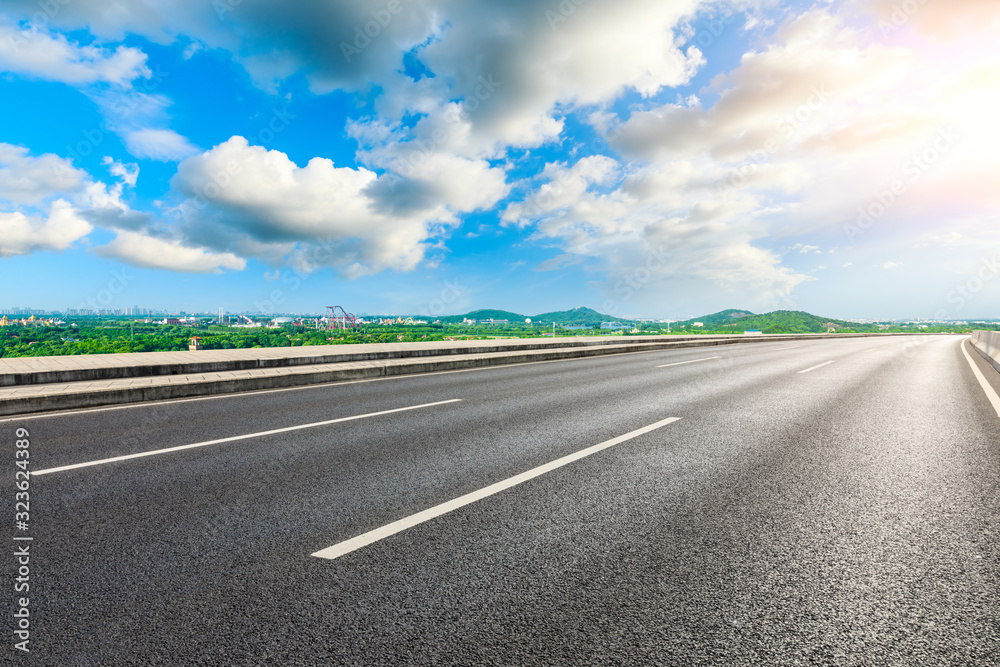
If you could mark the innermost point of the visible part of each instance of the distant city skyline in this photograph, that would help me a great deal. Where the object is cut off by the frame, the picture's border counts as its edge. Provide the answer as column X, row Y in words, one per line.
column 658, row 160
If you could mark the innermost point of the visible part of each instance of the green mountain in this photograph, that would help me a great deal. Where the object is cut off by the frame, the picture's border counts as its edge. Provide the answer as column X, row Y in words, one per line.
column 779, row 321
column 576, row 316
column 723, row 317
column 727, row 321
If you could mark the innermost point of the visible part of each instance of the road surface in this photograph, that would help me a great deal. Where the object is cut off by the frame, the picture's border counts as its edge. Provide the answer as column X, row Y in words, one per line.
column 806, row 502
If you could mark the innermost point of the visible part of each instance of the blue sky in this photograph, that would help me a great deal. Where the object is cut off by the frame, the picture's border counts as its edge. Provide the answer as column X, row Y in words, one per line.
column 643, row 159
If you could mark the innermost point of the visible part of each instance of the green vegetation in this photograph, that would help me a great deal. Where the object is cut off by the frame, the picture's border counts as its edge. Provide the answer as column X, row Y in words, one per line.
column 780, row 321
column 93, row 335
column 796, row 321
column 722, row 317
column 102, row 336
column 576, row 317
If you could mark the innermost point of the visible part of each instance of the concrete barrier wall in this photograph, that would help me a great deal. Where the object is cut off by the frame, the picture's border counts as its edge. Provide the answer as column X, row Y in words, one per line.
column 23, row 371
column 112, row 379
column 987, row 343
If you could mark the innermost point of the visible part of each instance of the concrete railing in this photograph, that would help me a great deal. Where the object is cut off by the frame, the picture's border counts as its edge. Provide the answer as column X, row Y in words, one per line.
column 987, row 343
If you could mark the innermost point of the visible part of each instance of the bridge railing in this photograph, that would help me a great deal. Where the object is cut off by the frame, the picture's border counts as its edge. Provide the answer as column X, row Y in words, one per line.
column 987, row 343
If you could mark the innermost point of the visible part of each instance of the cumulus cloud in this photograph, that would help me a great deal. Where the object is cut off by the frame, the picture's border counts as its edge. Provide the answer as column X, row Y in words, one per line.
column 492, row 88
column 774, row 100
column 541, row 57
column 623, row 224
column 39, row 54
column 37, row 202
column 821, row 118
column 46, row 204
column 252, row 200
column 565, row 188
column 826, row 118
column 56, row 229
column 29, row 180
column 575, row 59
column 146, row 251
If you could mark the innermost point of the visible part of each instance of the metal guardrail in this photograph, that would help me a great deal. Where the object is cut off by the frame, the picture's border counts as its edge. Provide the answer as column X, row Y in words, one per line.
column 987, row 343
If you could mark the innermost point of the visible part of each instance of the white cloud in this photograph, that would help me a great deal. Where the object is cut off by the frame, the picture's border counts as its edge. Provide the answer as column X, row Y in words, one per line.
column 46, row 204
column 139, row 117
column 577, row 59
column 33, row 53
column 191, row 49
column 671, row 233
column 27, row 180
column 22, row 234
column 541, row 57
column 146, row 251
column 820, row 118
column 565, row 187
column 254, row 201
column 128, row 173
column 158, row 144
column 774, row 101
column 37, row 202
column 943, row 20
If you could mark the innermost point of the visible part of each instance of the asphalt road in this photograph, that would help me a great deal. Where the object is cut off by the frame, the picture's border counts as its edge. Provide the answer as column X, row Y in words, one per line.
column 845, row 515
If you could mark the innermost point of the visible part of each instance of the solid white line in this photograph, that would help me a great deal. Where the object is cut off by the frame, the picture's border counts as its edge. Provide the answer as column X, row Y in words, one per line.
column 826, row 363
column 983, row 382
column 237, row 437
column 347, row 546
column 693, row 361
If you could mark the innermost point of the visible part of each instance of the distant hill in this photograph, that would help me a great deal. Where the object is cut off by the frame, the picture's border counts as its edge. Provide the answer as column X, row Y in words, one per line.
column 733, row 320
column 576, row 316
column 779, row 321
column 720, row 318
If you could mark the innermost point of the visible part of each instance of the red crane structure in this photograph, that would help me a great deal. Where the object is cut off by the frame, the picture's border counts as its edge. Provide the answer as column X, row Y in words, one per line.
column 345, row 320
